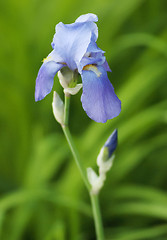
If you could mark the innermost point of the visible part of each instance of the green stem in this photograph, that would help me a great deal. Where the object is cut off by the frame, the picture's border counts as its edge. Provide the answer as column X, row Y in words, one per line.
column 97, row 217
column 94, row 198
column 76, row 155
column 66, row 109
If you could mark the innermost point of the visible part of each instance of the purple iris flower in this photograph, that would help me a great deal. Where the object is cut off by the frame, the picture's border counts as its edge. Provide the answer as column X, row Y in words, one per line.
column 74, row 46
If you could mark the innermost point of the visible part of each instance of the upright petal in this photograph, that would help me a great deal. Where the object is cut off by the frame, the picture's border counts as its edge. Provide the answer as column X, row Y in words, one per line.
column 71, row 42
column 89, row 17
column 44, row 81
column 99, row 99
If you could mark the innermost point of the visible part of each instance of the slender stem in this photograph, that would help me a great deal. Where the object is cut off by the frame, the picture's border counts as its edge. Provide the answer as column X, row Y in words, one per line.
column 97, row 217
column 71, row 142
column 94, row 198
column 66, row 109
column 76, row 155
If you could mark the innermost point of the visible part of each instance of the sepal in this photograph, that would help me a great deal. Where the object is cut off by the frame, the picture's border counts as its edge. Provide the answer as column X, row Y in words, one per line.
column 95, row 180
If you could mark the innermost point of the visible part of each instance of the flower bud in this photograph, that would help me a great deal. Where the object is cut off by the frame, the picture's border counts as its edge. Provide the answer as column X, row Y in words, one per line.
column 111, row 143
column 66, row 76
column 58, row 108
column 68, row 80
column 105, row 158
column 104, row 162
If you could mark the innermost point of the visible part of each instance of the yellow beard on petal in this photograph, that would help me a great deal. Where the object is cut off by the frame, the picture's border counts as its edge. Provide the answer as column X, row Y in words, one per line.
column 47, row 59
column 93, row 68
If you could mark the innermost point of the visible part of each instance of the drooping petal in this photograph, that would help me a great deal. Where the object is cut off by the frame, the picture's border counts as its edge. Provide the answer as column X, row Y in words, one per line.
column 99, row 99
column 44, row 81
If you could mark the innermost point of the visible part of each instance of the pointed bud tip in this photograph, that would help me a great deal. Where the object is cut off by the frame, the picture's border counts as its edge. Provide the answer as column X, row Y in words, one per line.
column 112, row 142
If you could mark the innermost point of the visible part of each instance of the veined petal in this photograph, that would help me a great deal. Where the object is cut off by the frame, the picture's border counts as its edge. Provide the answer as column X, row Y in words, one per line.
column 99, row 99
column 44, row 81
column 72, row 40
column 90, row 17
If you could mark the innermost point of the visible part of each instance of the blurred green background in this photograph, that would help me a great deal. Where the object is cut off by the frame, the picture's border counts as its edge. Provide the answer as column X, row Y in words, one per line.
column 42, row 196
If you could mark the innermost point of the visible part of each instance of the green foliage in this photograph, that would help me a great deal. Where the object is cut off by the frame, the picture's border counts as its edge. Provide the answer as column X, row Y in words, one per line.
column 42, row 195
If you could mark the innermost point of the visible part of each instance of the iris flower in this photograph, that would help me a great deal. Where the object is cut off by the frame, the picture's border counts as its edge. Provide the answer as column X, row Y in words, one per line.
column 74, row 46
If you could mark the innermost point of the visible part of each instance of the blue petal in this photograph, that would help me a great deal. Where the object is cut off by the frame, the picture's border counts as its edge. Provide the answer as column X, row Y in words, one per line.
column 106, row 66
column 111, row 142
column 98, row 59
column 94, row 48
column 44, row 81
column 99, row 99
column 96, row 51
column 72, row 40
column 87, row 17
column 54, row 56
column 94, row 55
column 90, row 17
